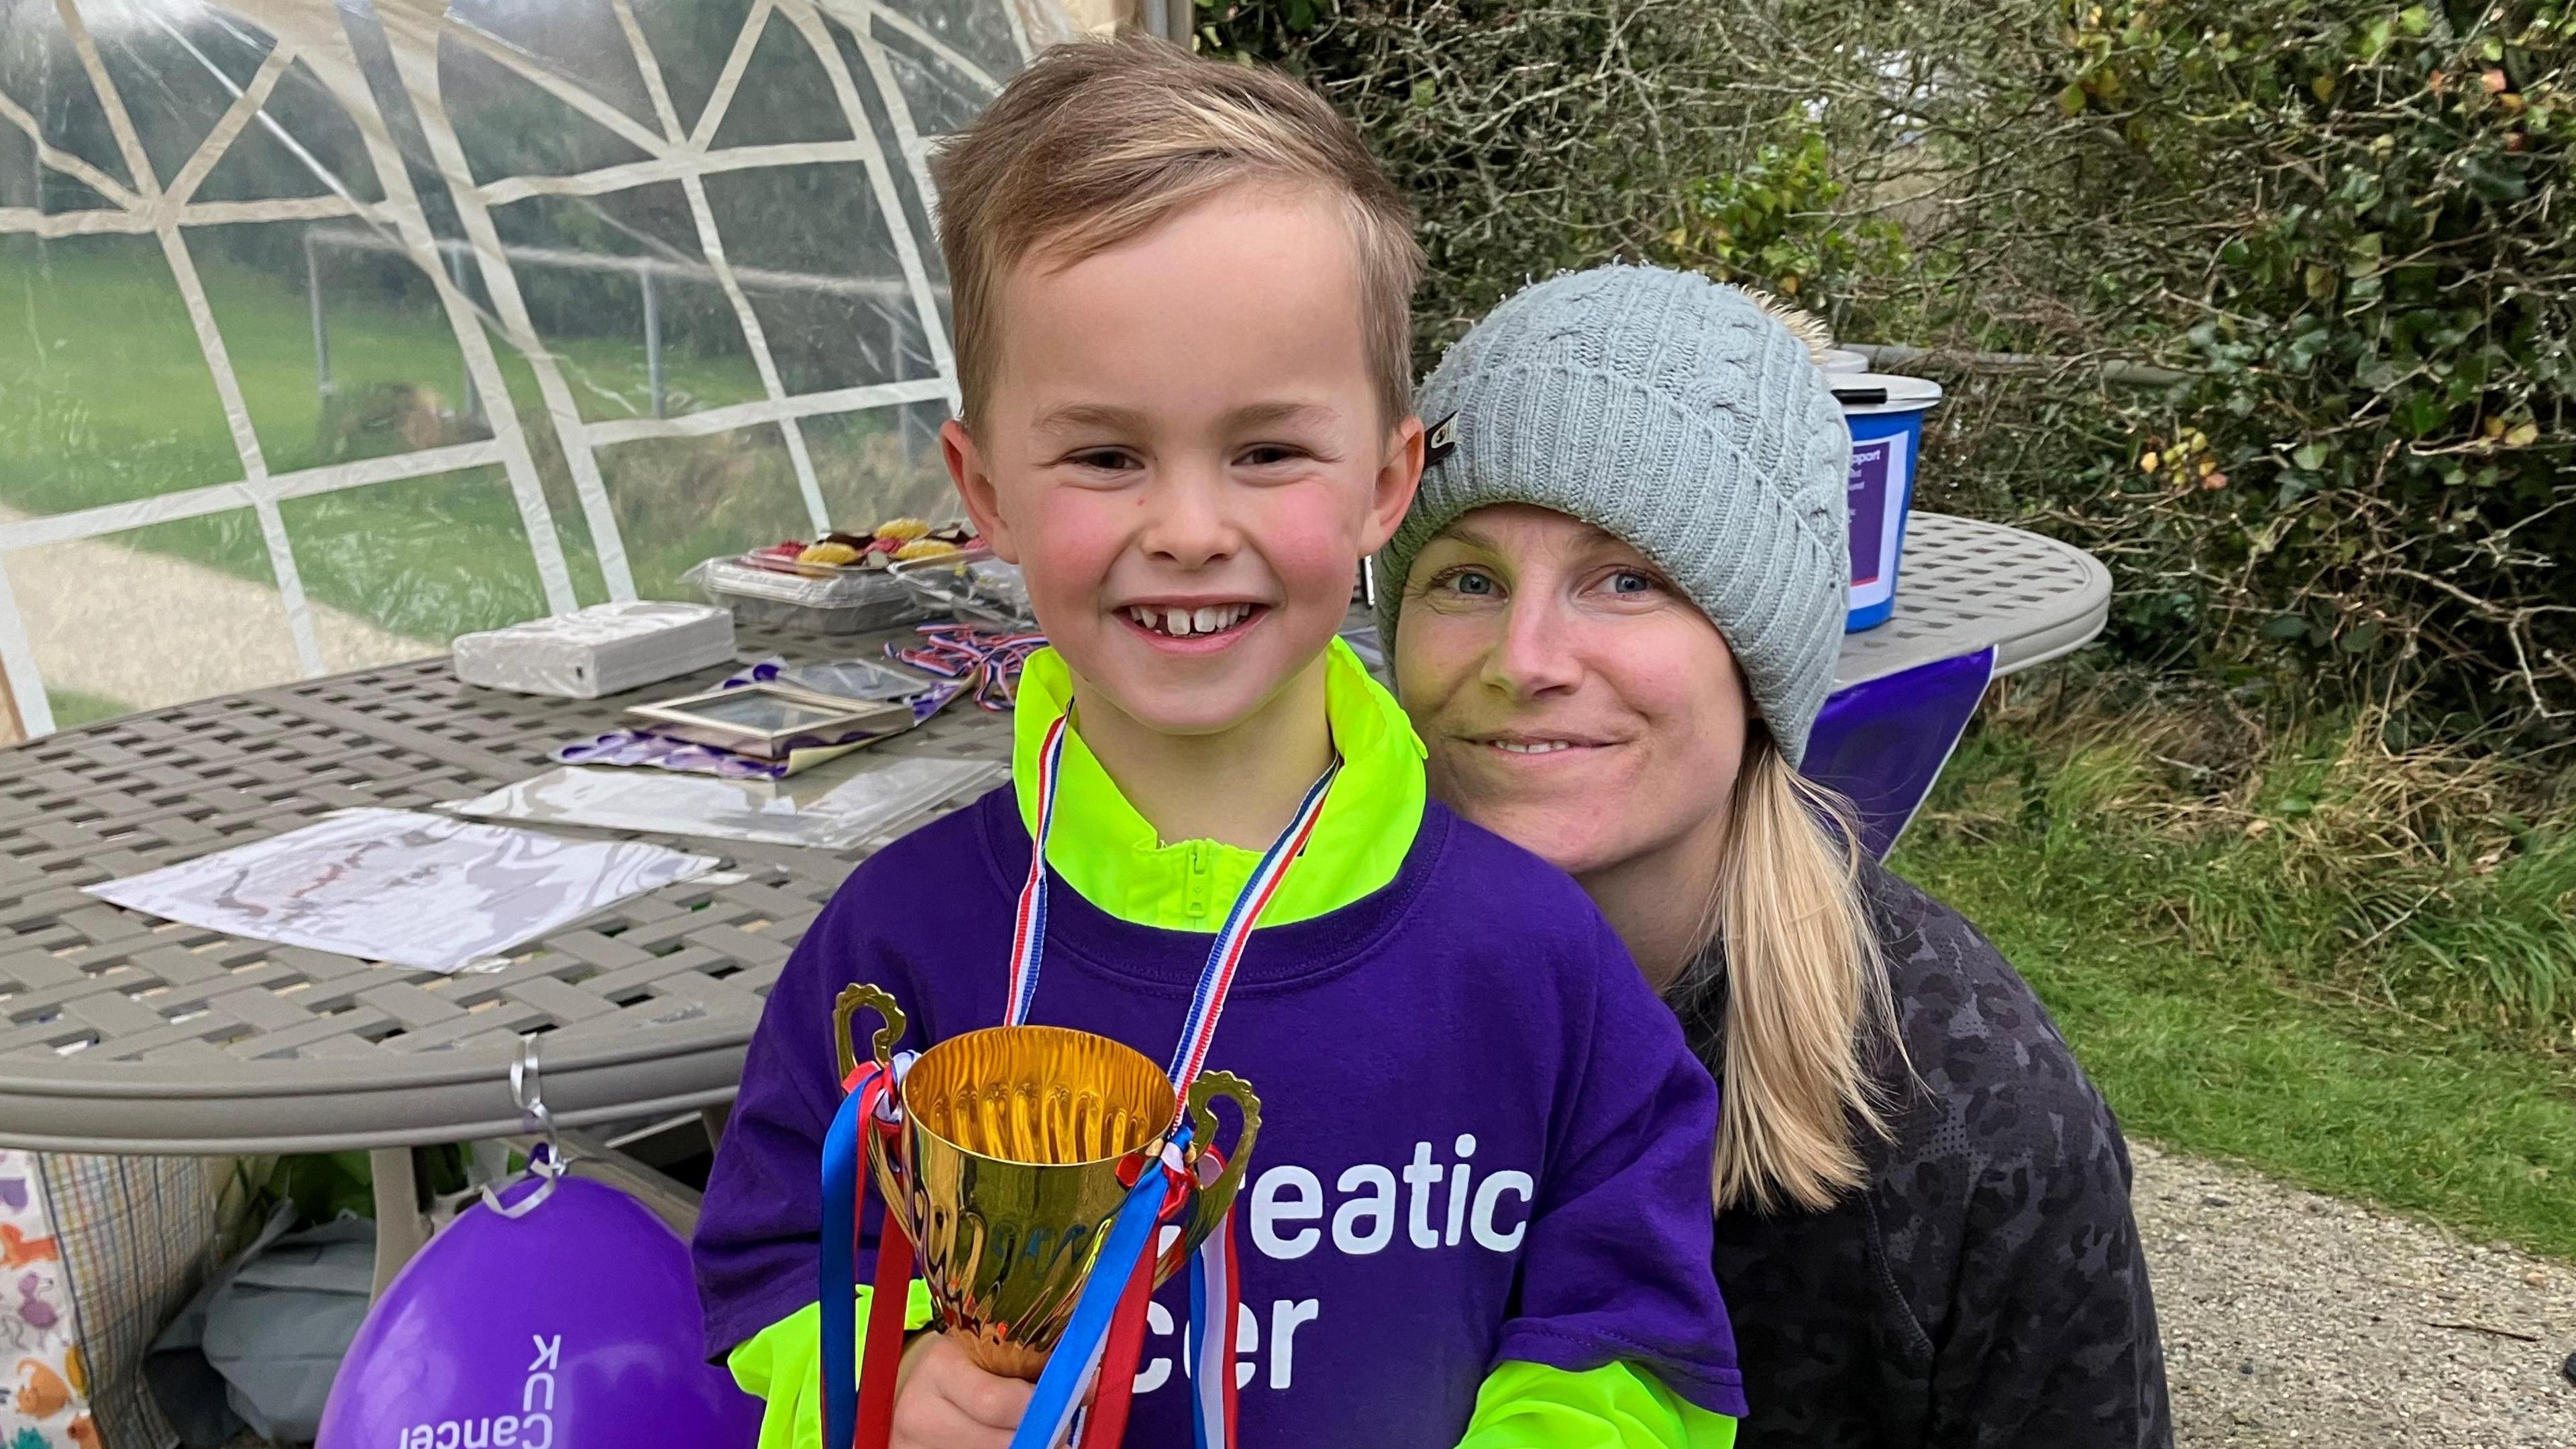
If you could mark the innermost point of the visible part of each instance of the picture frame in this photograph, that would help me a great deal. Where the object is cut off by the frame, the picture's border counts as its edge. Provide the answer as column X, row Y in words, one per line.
column 769, row 720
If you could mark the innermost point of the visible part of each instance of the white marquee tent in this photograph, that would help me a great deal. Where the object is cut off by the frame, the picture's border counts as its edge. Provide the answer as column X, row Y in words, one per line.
column 330, row 328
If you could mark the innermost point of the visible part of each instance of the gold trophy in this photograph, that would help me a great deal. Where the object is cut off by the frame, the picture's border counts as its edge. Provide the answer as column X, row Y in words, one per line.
column 1006, row 1173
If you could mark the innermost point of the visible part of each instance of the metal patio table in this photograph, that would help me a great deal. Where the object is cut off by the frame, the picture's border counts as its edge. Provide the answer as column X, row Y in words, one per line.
column 122, row 1033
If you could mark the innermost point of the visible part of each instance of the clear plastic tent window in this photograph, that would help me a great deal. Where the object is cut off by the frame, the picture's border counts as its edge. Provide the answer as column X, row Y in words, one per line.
column 331, row 329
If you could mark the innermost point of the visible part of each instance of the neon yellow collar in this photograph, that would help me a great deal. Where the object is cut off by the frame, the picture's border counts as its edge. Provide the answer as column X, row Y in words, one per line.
column 1111, row 854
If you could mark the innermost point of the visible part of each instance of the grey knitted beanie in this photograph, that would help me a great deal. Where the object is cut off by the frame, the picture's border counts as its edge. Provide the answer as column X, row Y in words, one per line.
column 1678, row 415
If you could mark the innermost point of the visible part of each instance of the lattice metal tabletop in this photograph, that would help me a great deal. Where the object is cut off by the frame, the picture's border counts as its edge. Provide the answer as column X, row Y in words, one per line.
column 120, row 1033
column 1964, row 585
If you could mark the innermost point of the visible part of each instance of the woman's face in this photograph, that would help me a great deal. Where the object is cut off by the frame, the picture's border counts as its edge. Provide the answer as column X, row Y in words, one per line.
column 1573, row 701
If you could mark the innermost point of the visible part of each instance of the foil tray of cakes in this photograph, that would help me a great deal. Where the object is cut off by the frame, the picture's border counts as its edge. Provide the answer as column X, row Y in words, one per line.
column 840, row 583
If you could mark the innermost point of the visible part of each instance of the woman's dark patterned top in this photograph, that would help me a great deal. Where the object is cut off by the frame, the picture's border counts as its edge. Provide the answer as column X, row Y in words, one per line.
column 1986, row 1289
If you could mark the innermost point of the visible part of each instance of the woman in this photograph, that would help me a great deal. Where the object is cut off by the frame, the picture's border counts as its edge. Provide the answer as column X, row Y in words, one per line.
column 1621, row 601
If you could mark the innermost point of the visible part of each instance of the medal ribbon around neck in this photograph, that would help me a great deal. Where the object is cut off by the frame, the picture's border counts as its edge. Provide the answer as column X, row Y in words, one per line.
column 1216, row 978
column 1101, row 1343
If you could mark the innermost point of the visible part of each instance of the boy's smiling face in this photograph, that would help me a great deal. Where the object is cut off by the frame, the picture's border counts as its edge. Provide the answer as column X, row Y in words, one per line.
column 1183, row 449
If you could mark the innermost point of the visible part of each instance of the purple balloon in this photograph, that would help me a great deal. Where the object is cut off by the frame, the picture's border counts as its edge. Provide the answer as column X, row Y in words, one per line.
column 574, row 1327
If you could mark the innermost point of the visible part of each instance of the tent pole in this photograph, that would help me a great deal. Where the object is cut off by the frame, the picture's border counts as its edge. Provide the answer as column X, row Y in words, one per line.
column 13, row 726
column 321, row 336
column 652, row 339
column 1174, row 20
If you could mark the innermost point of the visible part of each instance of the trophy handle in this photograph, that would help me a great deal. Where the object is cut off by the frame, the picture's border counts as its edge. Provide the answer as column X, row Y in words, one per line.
column 1208, row 1205
column 879, row 1153
column 894, row 1184
column 878, row 1000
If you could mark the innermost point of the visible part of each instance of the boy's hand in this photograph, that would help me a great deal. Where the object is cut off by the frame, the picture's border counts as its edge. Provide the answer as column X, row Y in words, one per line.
column 942, row 1401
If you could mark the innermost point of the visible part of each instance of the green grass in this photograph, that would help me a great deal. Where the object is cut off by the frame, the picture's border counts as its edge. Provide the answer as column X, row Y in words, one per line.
column 2228, row 995
column 109, row 400
column 71, row 707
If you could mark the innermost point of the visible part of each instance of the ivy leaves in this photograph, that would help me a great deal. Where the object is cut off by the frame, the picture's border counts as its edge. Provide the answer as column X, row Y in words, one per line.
column 1771, row 221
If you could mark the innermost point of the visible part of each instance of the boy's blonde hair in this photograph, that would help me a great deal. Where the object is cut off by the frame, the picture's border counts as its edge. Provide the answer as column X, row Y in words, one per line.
column 1097, row 141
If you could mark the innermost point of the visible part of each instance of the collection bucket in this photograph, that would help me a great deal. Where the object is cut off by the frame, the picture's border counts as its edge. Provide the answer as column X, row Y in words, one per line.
column 1885, row 414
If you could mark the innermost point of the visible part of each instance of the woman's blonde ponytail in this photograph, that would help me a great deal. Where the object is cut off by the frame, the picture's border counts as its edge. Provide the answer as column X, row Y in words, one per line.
column 1807, row 1013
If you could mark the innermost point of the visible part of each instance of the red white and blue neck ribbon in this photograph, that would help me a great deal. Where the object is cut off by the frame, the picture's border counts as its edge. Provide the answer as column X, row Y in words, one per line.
column 1028, row 928
column 1100, row 1342
column 1216, row 978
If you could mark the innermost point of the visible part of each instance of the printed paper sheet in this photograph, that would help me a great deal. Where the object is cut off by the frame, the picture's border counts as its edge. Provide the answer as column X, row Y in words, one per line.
column 401, row 887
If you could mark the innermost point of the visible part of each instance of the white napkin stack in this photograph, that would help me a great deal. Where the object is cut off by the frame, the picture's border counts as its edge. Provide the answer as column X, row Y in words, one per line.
column 604, row 649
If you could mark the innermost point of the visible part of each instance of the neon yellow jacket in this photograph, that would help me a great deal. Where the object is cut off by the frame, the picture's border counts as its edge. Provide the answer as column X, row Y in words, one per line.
column 1102, row 848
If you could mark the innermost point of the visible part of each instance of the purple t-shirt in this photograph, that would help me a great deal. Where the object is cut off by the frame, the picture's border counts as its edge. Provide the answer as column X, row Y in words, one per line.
column 1483, row 1137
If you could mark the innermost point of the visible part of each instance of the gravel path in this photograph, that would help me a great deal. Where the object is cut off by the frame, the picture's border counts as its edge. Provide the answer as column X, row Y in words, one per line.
column 145, row 629
column 2295, row 1319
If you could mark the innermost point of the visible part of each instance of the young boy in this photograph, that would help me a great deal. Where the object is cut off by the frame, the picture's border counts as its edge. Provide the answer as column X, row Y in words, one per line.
column 1479, row 1207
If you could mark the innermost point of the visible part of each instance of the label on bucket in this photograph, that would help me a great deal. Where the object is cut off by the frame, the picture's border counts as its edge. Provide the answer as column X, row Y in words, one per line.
column 1877, row 516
